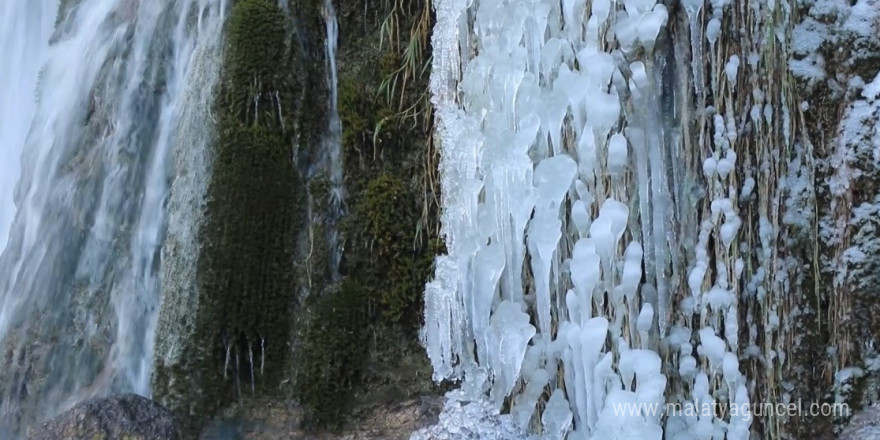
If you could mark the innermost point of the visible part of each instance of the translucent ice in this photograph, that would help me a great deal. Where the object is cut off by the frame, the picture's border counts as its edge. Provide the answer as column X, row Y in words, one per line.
column 580, row 217
column 646, row 318
column 649, row 25
column 731, row 68
column 557, row 416
column 510, row 334
column 545, row 230
column 712, row 347
column 585, row 273
column 603, row 112
column 586, row 152
column 488, row 269
column 553, row 178
column 524, row 405
column 713, row 29
column 601, row 9
column 617, row 154
column 629, row 425
column 608, row 228
column 599, row 66
column 632, row 270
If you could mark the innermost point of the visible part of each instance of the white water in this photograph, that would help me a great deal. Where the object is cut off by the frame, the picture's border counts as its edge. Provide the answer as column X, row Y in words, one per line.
column 79, row 275
column 333, row 140
column 24, row 41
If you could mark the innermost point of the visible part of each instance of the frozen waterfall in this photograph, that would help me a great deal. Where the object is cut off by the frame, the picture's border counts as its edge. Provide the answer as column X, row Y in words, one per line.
column 591, row 214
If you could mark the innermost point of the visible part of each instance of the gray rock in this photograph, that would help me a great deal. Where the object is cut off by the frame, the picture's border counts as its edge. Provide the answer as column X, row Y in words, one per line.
column 128, row 416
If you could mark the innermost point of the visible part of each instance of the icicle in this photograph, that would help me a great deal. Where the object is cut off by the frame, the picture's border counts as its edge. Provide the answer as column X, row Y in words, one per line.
column 693, row 7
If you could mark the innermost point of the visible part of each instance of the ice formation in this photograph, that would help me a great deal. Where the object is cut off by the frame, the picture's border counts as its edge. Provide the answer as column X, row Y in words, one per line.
column 564, row 211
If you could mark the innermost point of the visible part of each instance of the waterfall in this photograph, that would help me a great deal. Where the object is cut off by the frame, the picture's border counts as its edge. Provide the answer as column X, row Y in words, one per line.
column 79, row 275
column 333, row 141
column 24, row 40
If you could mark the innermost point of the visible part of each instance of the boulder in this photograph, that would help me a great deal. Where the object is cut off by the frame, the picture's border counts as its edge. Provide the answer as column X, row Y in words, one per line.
column 126, row 416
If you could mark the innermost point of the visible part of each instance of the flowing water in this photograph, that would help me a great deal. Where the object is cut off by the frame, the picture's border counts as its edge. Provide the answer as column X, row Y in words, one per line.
column 333, row 140
column 98, row 107
column 24, row 41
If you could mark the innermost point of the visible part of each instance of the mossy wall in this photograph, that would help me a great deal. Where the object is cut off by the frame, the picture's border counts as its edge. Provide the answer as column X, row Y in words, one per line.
column 269, row 314
column 246, row 287
column 390, row 230
column 335, row 344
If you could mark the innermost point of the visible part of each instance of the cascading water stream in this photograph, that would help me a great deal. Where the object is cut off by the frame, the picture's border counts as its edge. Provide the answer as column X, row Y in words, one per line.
column 333, row 141
column 79, row 276
column 25, row 28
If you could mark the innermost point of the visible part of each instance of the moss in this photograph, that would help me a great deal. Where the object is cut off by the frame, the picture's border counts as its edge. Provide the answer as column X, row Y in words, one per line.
column 248, row 247
column 254, row 191
column 254, row 78
column 330, row 360
column 390, row 244
column 245, row 283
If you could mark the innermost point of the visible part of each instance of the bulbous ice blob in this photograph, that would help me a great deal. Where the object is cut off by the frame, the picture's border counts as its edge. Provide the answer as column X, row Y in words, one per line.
column 650, row 24
column 598, row 66
column 580, row 217
column 639, row 75
column 527, row 129
column 687, row 366
column 574, row 85
column 712, row 347
column 608, row 228
column 729, row 230
column 587, row 152
column 626, row 30
column 632, row 269
column 719, row 298
column 617, row 154
column 603, row 111
column 556, row 51
column 710, row 166
column 553, row 178
column 601, row 9
column 695, row 277
column 731, row 68
column 713, row 29
column 586, row 271
column 646, row 318
column 726, row 164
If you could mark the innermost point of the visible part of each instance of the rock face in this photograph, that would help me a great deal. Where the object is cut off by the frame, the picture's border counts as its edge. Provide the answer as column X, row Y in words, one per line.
column 127, row 416
column 268, row 419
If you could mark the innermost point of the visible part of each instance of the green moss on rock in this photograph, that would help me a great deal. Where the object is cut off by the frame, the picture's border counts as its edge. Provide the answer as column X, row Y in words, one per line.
column 330, row 359
column 241, row 329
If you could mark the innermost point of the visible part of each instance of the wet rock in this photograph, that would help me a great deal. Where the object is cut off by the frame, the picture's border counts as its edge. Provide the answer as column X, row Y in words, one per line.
column 127, row 416
column 265, row 419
